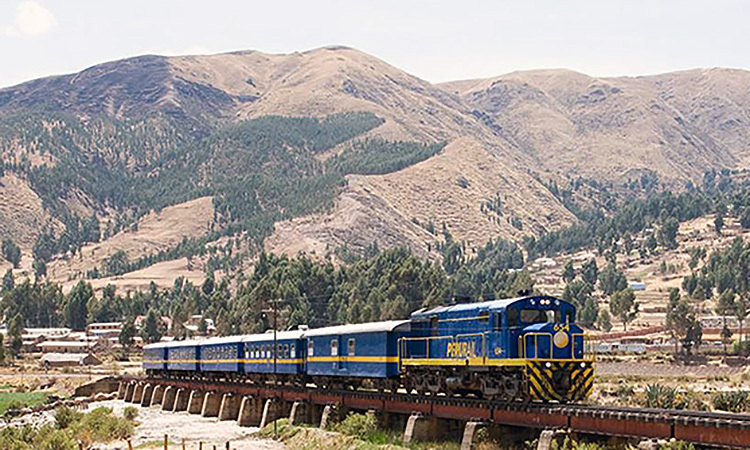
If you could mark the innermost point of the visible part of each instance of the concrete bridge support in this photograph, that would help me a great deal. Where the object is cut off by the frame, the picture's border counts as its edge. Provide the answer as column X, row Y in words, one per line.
column 274, row 409
column 181, row 400
column 137, row 393
column 421, row 428
column 230, row 407
column 211, row 404
column 158, row 395
column 470, row 430
column 170, row 393
column 148, row 392
column 300, row 413
column 195, row 404
column 121, row 388
column 129, row 392
column 251, row 412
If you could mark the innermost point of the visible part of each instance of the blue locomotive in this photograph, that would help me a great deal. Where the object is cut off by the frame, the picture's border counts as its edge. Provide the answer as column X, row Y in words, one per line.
column 526, row 348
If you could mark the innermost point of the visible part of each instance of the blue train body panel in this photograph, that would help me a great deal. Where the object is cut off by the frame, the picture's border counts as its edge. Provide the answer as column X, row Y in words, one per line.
column 258, row 352
column 364, row 351
column 221, row 354
column 183, row 356
column 155, row 356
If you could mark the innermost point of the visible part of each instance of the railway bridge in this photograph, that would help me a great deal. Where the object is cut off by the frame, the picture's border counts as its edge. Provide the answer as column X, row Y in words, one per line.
column 426, row 417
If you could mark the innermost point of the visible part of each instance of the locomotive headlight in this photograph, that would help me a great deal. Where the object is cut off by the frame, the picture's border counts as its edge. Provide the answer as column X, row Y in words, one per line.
column 583, row 365
column 561, row 339
column 548, row 365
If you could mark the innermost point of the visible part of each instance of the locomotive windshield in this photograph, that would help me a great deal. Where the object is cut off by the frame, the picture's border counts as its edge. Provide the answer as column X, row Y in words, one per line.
column 532, row 316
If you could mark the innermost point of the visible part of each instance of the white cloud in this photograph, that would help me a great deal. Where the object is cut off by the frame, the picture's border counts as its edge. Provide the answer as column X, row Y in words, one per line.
column 32, row 19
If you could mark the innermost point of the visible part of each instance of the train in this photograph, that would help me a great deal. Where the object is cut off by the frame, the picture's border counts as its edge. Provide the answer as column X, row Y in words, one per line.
column 527, row 348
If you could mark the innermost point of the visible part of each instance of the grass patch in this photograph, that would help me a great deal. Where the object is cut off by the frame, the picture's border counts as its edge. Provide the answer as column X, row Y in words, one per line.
column 16, row 400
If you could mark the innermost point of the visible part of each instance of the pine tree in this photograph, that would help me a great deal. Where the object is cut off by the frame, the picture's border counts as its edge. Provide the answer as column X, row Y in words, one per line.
column 15, row 333
column 624, row 307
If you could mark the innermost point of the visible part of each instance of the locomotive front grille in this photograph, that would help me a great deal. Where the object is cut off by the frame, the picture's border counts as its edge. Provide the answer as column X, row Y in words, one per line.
column 560, row 381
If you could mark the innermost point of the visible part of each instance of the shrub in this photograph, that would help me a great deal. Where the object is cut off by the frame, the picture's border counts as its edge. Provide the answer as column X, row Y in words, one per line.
column 130, row 413
column 660, row 396
column 101, row 425
column 358, row 425
column 737, row 401
column 677, row 445
column 65, row 416
column 48, row 438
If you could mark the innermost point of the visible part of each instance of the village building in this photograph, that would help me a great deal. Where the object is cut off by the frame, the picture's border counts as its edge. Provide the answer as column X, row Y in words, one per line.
column 65, row 347
column 57, row 360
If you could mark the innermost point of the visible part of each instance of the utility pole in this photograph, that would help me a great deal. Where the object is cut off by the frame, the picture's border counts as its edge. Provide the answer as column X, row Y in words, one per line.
column 275, row 376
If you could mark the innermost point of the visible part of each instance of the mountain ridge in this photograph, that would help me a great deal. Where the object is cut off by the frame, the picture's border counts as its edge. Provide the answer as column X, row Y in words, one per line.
column 504, row 139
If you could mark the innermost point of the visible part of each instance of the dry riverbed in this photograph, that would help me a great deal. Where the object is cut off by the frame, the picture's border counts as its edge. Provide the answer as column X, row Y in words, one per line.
column 155, row 423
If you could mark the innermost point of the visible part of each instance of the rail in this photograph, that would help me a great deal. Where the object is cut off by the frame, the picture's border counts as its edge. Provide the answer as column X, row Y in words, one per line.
column 704, row 428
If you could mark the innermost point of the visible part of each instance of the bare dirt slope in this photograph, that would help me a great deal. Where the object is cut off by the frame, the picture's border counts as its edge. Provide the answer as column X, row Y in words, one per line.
column 676, row 124
column 155, row 232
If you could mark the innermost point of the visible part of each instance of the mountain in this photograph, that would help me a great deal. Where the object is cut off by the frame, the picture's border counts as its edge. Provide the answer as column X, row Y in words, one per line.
column 677, row 125
column 318, row 151
column 198, row 162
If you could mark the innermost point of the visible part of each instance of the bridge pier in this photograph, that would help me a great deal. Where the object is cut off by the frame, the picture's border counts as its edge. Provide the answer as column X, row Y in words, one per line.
column 421, row 428
column 251, row 412
column 211, row 404
column 470, row 430
column 167, row 403
column 195, row 404
column 129, row 392
column 158, row 395
column 327, row 416
column 300, row 413
column 148, row 392
column 181, row 400
column 121, row 388
column 230, row 406
column 137, row 393
column 273, row 409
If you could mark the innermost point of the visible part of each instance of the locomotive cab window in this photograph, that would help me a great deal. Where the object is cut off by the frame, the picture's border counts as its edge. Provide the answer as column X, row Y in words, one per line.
column 512, row 318
column 350, row 347
column 530, row 316
column 334, row 347
column 310, row 348
column 497, row 321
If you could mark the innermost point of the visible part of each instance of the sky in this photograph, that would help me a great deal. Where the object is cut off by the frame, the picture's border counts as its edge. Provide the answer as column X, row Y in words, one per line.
column 435, row 40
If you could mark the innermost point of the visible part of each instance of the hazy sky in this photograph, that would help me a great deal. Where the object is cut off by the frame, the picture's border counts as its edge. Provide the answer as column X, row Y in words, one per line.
column 436, row 40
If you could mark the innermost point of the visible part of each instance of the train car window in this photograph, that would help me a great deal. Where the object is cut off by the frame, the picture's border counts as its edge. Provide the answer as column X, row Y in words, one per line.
column 279, row 350
column 292, row 351
column 286, row 350
column 334, row 347
column 263, row 351
column 512, row 317
column 350, row 347
column 484, row 316
column 310, row 348
column 434, row 325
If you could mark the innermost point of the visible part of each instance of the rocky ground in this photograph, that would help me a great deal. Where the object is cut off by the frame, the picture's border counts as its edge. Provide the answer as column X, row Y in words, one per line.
column 190, row 429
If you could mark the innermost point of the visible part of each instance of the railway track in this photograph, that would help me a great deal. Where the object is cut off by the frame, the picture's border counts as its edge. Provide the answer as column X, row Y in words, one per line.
column 705, row 428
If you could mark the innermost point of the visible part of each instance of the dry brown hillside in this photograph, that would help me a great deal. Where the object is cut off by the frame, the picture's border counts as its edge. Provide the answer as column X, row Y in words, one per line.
column 499, row 133
column 677, row 124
